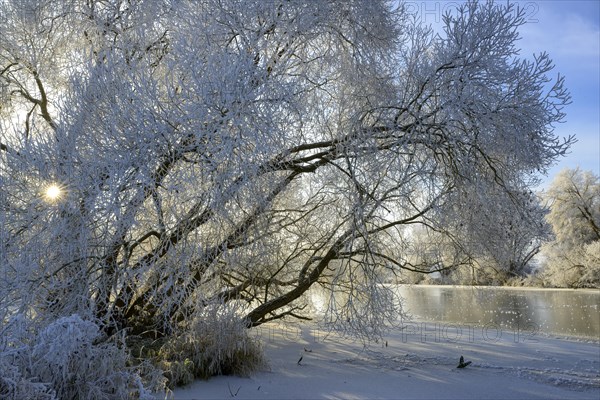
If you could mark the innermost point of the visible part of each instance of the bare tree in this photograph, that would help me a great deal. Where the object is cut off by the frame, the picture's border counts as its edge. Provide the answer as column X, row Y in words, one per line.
column 245, row 152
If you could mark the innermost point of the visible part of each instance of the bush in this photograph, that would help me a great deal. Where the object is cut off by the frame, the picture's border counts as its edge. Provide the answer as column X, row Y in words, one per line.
column 215, row 343
column 68, row 359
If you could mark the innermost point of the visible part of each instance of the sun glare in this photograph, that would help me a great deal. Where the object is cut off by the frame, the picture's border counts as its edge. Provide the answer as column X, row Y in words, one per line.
column 53, row 192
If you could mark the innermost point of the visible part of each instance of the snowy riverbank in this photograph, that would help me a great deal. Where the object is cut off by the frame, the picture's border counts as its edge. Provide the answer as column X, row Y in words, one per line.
column 417, row 362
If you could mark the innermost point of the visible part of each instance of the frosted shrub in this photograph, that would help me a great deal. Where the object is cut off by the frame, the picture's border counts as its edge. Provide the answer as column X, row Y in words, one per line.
column 67, row 360
column 216, row 343
column 17, row 380
column 67, row 356
column 15, row 386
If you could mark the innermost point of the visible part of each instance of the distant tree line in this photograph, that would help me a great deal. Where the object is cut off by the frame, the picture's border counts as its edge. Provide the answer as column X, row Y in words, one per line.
column 560, row 248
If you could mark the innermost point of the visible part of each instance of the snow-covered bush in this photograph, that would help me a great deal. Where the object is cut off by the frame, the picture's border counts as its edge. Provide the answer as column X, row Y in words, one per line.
column 15, row 386
column 68, row 359
column 215, row 343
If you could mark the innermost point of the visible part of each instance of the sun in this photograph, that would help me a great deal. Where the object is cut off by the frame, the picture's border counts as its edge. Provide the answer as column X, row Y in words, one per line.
column 53, row 192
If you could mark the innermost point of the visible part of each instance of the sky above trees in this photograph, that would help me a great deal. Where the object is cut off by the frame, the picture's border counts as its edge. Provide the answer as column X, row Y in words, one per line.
column 570, row 32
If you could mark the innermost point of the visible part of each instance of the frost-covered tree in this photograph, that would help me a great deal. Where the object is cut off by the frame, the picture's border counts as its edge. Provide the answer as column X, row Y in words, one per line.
column 573, row 258
column 243, row 152
column 497, row 231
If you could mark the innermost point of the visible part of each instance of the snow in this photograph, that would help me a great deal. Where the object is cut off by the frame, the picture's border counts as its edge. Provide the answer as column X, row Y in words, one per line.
column 409, row 366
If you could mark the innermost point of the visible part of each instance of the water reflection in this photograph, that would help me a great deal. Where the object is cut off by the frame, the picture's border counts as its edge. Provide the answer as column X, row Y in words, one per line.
column 553, row 311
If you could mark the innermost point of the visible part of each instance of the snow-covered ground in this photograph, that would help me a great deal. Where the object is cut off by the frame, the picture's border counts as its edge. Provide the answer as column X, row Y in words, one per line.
column 416, row 362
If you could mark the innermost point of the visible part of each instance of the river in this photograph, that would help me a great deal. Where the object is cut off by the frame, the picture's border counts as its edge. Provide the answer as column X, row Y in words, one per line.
column 493, row 311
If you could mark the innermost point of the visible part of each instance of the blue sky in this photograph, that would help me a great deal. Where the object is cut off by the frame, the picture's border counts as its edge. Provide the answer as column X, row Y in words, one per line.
column 569, row 31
